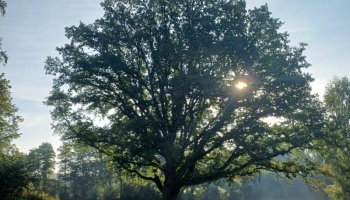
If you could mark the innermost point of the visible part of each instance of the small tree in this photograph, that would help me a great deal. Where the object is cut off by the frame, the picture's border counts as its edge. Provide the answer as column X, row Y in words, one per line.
column 186, row 87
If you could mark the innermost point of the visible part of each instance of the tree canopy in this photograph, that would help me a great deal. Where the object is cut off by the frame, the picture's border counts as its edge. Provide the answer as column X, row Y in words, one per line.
column 185, row 90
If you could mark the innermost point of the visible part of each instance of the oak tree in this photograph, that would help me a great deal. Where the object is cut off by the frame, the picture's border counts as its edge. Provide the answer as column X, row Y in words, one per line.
column 180, row 92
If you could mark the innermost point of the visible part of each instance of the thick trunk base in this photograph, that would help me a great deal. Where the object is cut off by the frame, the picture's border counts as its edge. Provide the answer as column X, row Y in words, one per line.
column 170, row 192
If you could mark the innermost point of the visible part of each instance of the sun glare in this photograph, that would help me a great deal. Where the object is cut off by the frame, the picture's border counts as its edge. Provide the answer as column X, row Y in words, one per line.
column 240, row 85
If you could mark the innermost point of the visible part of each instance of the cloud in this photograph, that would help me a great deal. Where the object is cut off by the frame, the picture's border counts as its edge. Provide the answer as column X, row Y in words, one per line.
column 30, row 92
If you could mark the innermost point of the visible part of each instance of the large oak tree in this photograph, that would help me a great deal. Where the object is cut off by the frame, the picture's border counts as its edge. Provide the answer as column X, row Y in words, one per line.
column 185, row 89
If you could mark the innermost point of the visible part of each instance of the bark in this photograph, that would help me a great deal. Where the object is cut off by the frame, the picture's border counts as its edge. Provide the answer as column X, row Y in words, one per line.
column 171, row 189
column 170, row 192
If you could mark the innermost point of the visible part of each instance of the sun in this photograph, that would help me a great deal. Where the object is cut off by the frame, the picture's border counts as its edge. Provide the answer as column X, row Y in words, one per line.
column 240, row 85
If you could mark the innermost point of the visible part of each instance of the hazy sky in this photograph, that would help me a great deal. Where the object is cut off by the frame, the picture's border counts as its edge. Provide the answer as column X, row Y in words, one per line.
column 32, row 29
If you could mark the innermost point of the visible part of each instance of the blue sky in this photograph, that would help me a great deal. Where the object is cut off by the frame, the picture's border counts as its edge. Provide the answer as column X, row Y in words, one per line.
column 32, row 29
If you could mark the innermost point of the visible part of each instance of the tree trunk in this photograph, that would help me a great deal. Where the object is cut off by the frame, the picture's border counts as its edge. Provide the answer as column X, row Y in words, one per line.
column 171, row 189
column 170, row 192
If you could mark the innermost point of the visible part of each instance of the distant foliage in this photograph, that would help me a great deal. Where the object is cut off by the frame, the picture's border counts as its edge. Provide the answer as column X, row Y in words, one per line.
column 37, row 196
column 269, row 186
column 83, row 173
column 220, row 190
column 41, row 164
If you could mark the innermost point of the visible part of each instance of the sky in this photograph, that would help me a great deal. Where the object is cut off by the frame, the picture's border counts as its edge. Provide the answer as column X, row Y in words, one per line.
column 32, row 29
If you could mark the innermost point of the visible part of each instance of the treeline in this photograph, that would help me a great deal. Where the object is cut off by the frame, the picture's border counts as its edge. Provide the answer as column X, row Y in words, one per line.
column 86, row 175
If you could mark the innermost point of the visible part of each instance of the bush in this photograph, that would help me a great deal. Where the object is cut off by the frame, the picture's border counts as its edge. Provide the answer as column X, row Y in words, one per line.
column 14, row 178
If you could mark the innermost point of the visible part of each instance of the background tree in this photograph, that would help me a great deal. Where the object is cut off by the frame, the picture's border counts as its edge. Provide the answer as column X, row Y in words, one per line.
column 220, row 189
column 8, row 118
column 336, row 153
column 83, row 172
column 42, row 165
column 269, row 185
column 186, row 87
column 64, row 156
column 86, row 175
column 131, row 187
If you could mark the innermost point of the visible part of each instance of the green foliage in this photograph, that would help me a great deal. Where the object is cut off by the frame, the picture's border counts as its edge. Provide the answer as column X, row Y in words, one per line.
column 8, row 119
column 163, row 74
column 336, row 151
column 37, row 196
column 42, row 164
column 216, row 190
column 14, row 177
column 84, row 175
column 83, row 172
column 111, row 193
column 130, row 190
